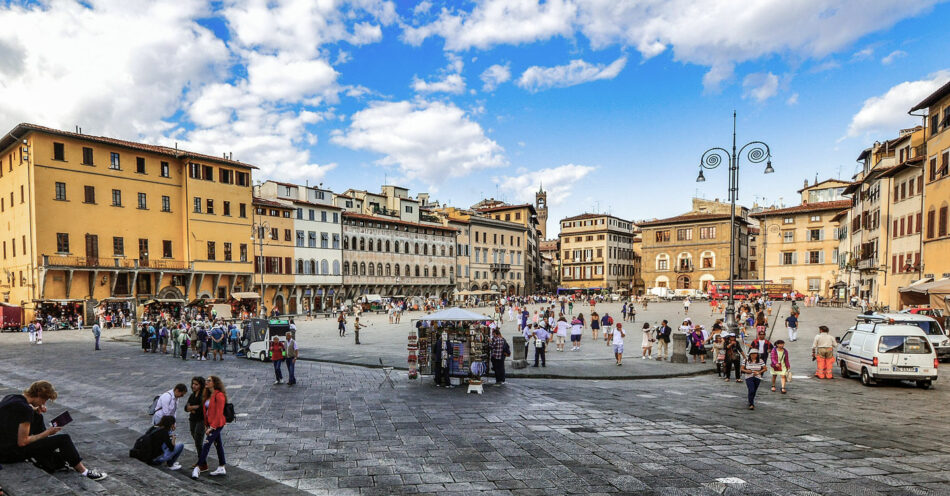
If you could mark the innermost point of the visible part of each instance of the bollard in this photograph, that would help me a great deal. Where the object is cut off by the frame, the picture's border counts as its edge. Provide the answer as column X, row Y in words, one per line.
column 679, row 348
column 518, row 358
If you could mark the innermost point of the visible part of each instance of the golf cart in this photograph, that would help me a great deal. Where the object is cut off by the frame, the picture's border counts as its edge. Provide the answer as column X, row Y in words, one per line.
column 258, row 334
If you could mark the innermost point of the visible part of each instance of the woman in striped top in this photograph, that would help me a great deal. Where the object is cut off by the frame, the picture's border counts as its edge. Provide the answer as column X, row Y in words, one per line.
column 752, row 370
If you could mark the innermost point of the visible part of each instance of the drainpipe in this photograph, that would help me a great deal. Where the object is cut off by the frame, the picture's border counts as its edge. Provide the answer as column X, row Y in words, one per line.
column 923, row 169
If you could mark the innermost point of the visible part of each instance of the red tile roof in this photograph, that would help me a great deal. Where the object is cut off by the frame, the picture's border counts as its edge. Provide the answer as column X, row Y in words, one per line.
column 498, row 208
column 836, row 205
column 22, row 128
column 271, row 203
column 690, row 217
column 304, row 202
column 396, row 221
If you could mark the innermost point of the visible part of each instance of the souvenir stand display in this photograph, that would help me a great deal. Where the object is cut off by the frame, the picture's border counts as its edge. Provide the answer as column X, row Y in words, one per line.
column 464, row 336
column 59, row 314
column 162, row 309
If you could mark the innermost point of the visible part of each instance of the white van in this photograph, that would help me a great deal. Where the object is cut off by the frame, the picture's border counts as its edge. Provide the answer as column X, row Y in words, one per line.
column 887, row 351
column 931, row 327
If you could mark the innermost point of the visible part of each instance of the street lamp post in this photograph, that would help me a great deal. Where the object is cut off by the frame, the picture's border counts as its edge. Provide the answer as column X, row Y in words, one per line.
column 260, row 230
column 713, row 158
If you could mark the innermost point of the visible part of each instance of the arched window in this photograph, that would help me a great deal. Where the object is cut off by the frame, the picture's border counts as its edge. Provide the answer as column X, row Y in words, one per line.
column 346, row 243
column 387, row 246
column 353, row 244
column 355, row 270
column 425, row 249
column 370, row 247
column 397, row 270
column 336, row 267
column 417, row 269
column 406, row 246
column 434, row 250
column 931, row 222
column 708, row 260
column 396, row 246
column 311, row 267
column 443, row 250
column 346, row 268
column 417, row 248
column 662, row 262
column 389, row 270
column 372, row 270
column 425, row 271
column 362, row 268
column 435, row 271
column 450, row 251
column 410, row 273
column 300, row 269
column 362, row 244
column 379, row 245
column 324, row 267
column 942, row 223
column 443, row 271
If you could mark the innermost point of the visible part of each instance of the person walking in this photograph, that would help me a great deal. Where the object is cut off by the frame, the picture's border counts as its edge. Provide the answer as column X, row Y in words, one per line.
column 291, row 353
column 595, row 324
column 277, row 357
column 823, row 352
column 791, row 323
column 196, row 423
column 96, row 332
column 576, row 331
column 780, row 366
column 498, row 346
column 541, row 337
column 663, row 336
column 752, row 370
column 761, row 344
column 733, row 355
column 183, row 343
column 618, row 336
column 697, row 344
column 215, row 397
column 717, row 344
column 560, row 331
column 686, row 303
column 647, row 342
column 233, row 336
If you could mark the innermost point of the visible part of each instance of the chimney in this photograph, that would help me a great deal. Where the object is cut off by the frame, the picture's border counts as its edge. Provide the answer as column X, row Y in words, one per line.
column 806, row 183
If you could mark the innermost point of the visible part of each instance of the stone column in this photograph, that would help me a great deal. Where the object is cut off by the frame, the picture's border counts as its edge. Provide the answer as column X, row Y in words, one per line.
column 679, row 348
column 518, row 358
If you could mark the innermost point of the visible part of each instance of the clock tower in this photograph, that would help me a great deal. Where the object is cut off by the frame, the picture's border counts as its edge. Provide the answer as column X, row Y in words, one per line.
column 541, row 206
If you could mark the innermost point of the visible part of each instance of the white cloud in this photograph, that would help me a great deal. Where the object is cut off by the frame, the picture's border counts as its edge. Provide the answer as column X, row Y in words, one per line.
column 792, row 100
column 891, row 57
column 760, row 86
column 450, row 83
column 559, row 182
column 494, row 22
column 863, row 54
column 710, row 33
column 885, row 114
column 283, row 78
column 536, row 78
column 427, row 141
column 494, row 76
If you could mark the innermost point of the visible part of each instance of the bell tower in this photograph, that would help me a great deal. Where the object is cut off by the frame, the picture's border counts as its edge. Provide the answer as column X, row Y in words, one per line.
column 541, row 205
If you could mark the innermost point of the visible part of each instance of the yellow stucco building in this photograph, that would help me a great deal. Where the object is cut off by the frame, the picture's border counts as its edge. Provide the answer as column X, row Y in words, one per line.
column 93, row 219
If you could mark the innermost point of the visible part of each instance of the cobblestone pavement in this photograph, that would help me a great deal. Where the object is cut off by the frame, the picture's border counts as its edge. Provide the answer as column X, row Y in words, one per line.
column 338, row 433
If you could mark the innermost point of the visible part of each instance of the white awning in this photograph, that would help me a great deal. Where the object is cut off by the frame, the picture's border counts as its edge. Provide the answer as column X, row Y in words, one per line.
column 246, row 295
column 455, row 314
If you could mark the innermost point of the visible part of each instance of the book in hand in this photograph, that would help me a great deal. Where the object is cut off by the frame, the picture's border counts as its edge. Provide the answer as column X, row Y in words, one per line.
column 63, row 419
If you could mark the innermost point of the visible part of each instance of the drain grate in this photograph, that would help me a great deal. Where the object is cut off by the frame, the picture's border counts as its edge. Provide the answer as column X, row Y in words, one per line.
column 581, row 429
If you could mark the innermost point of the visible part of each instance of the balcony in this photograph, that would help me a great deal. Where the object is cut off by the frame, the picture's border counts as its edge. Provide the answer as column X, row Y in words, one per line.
column 429, row 218
column 867, row 263
column 111, row 262
column 502, row 267
column 385, row 211
column 683, row 269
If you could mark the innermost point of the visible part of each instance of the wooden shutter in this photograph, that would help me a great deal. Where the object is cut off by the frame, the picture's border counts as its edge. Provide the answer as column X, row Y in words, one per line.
column 893, row 264
column 920, row 219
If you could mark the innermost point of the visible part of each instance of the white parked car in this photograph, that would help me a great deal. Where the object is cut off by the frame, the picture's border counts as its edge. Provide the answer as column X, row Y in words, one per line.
column 884, row 350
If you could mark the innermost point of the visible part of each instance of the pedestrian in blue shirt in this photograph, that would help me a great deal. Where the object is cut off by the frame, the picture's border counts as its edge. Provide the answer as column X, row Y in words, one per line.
column 541, row 337
column 96, row 332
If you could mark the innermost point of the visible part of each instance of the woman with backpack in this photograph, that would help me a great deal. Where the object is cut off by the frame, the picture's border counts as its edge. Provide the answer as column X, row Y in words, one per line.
column 215, row 398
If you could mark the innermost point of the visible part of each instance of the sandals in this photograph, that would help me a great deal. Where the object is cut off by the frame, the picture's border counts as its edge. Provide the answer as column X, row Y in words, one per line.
column 773, row 389
column 738, row 380
column 783, row 391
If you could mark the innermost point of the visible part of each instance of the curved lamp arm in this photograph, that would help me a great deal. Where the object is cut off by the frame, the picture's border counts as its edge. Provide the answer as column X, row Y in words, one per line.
column 757, row 154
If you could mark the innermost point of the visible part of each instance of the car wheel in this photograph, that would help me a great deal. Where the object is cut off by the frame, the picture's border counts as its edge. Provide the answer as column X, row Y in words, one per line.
column 844, row 370
column 924, row 384
column 866, row 377
column 263, row 356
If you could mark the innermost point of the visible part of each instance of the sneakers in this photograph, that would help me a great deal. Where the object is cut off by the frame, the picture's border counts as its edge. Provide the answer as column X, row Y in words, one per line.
column 278, row 381
column 219, row 471
column 96, row 475
column 194, row 473
column 175, row 466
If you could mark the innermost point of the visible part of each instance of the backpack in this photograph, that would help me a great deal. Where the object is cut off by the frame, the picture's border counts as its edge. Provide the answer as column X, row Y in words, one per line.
column 142, row 449
column 506, row 349
column 229, row 412
column 154, row 407
column 610, row 321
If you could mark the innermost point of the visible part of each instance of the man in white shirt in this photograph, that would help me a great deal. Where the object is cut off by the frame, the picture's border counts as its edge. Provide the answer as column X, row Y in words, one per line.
column 618, row 343
column 168, row 403
column 561, row 333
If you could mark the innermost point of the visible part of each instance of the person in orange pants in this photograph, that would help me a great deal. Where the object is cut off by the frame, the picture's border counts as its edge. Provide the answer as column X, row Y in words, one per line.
column 823, row 352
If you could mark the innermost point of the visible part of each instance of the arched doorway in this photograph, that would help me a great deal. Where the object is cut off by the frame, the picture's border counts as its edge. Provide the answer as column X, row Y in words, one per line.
column 279, row 303
column 170, row 293
column 682, row 282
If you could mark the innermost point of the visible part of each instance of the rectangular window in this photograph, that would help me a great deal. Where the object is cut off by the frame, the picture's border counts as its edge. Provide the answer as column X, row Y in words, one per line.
column 816, row 257
column 166, row 248
column 274, row 233
column 243, row 179
column 59, row 151
column 165, row 170
column 242, row 210
column 227, row 252
column 662, row 236
column 210, row 250
column 788, row 220
column 312, row 239
column 336, row 241
column 116, row 198
column 788, row 236
column 226, row 176
column 60, row 192
column 87, row 155
column 207, row 173
column 814, row 284
column 143, row 204
column 324, row 240
column 114, row 161
column 243, row 252
column 300, row 239
column 118, row 246
column 166, row 204
column 684, row 234
column 707, row 232
column 194, row 170
column 197, row 205
column 815, row 235
column 140, row 165
column 62, row 243
column 209, row 204
column 408, row 209
column 287, row 235
column 89, row 194
column 788, row 258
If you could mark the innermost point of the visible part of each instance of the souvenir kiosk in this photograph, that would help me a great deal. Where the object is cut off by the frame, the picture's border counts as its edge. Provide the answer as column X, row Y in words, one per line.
column 465, row 338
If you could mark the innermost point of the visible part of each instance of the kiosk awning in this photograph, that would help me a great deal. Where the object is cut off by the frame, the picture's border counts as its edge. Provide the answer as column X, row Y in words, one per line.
column 455, row 314
column 246, row 295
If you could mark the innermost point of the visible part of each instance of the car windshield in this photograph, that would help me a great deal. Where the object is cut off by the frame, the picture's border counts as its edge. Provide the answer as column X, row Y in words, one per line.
column 931, row 327
column 904, row 344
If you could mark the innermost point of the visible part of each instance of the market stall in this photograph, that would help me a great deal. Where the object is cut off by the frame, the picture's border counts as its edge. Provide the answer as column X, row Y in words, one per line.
column 60, row 314
column 115, row 311
column 244, row 304
column 198, row 309
column 459, row 336
column 158, row 309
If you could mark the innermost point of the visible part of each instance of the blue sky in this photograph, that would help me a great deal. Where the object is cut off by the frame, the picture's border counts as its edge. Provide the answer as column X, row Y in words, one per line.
column 609, row 103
